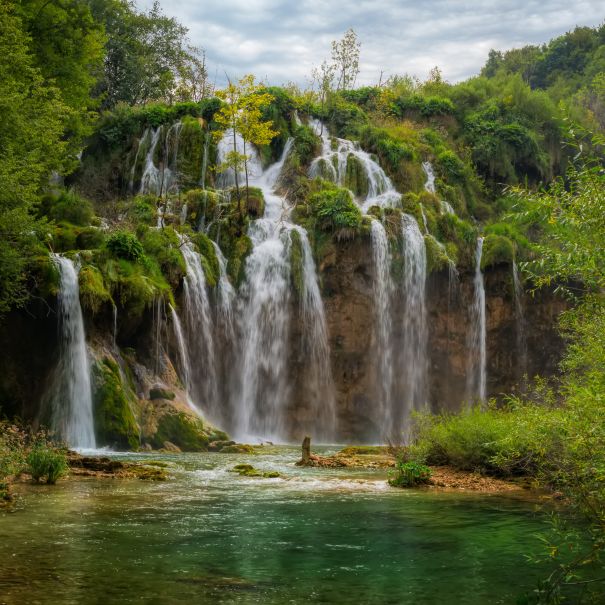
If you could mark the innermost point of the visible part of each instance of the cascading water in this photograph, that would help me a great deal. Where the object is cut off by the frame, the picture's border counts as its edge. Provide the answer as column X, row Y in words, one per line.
column 414, row 363
column 320, row 386
column 71, row 394
column 199, row 330
column 163, row 179
column 477, row 367
column 520, row 324
column 429, row 184
column 184, row 360
column 260, row 406
column 334, row 164
column 383, row 288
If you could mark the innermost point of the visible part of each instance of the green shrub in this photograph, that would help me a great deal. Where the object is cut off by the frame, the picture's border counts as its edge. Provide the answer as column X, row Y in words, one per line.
column 306, row 143
column 46, row 461
column 90, row 238
column 335, row 210
column 410, row 474
column 71, row 208
column 123, row 244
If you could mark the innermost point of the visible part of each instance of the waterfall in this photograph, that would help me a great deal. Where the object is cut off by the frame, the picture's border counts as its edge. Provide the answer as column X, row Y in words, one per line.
column 429, row 184
column 424, row 221
column 157, row 325
column 71, row 394
column 383, row 288
column 115, row 325
column 520, row 324
column 264, row 319
column 477, row 370
column 161, row 180
column 205, row 159
column 184, row 361
column 199, row 330
column 226, row 178
column 414, row 364
column 333, row 165
column 319, row 384
column 446, row 207
column 226, row 295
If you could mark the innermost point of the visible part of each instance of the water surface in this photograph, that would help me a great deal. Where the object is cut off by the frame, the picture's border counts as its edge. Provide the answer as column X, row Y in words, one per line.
column 209, row 536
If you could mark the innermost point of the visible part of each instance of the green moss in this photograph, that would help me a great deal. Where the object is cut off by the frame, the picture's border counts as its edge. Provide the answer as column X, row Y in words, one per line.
column 436, row 255
column 255, row 202
column 247, row 470
column 159, row 393
column 356, row 179
column 236, row 264
column 201, row 203
column 190, row 152
column 306, row 144
column 164, row 247
column 115, row 424
column 451, row 165
column 93, row 293
column 46, row 276
column 296, row 262
column 497, row 249
column 210, row 262
column 125, row 245
column 183, row 430
column 90, row 238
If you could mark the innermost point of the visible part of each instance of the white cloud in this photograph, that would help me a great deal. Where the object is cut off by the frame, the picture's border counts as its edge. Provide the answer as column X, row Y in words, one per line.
column 282, row 39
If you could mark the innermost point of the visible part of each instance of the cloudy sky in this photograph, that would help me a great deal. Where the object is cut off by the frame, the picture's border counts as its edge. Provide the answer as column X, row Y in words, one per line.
column 281, row 40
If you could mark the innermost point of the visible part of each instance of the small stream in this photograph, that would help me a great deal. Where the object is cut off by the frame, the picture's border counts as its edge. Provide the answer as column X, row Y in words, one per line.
column 316, row 536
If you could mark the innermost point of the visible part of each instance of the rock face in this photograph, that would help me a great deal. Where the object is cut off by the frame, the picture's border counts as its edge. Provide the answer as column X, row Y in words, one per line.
column 29, row 347
column 348, row 297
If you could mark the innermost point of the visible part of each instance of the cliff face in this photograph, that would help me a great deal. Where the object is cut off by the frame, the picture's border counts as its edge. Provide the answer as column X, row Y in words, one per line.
column 29, row 346
column 348, row 296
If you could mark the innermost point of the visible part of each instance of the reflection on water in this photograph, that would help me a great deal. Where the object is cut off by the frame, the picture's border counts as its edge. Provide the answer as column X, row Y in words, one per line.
column 209, row 536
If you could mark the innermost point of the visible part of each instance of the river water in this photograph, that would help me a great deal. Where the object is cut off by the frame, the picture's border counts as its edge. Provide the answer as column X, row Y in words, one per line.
column 315, row 536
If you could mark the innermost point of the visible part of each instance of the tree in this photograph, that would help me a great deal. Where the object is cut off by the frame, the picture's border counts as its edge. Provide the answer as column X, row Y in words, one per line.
column 323, row 78
column 146, row 53
column 241, row 113
column 66, row 43
column 345, row 55
column 33, row 123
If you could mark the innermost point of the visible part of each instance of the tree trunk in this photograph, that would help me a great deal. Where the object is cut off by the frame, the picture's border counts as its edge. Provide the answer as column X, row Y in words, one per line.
column 239, row 199
column 246, row 171
column 306, row 450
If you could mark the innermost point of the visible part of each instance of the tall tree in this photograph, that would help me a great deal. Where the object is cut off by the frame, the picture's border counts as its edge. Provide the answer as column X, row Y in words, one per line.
column 146, row 53
column 345, row 55
column 32, row 123
column 242, row 114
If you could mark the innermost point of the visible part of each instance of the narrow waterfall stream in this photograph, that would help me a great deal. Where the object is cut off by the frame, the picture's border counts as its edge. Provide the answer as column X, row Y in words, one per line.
column 384, row 287
column 477, row 368
column 414, row 362
column 71, row 395
column 199, row 333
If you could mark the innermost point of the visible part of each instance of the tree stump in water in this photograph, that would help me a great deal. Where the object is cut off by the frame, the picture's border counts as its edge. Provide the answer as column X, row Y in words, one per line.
column 306, row 450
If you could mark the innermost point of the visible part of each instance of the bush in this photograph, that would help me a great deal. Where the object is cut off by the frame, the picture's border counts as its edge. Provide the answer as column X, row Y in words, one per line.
column 335, row 210
column 123, row 244
column 44, row 460
column 410, row 474
column 497, row 250
column 71, row 208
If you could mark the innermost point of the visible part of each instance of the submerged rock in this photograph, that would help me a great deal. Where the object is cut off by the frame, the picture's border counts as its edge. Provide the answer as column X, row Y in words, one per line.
column 247, row 470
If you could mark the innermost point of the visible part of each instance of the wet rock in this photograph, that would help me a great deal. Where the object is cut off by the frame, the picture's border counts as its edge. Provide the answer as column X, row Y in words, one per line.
column 170, row 447
column 247, row 470
column 217, row 446
column 238, row 448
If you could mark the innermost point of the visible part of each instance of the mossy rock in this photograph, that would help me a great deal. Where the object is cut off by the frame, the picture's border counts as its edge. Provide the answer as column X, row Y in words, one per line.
column 364, row 450
column 93, row 293
column 236, row 264
column 297, row 271
column 115, row 424
column 255, row 202
column 190, row 152
column 210, row 262
column 356, row 178
column 184, row 430
column 160, row 393
column 237, row 448
column 201, row 203
column 247, row 470
column 436, row 254
column 497, row 250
